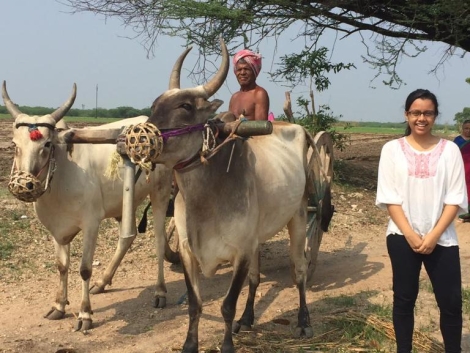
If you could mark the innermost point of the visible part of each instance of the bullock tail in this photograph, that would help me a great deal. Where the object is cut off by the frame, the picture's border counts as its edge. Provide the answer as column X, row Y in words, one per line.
column 112, row 171
column 142, row 228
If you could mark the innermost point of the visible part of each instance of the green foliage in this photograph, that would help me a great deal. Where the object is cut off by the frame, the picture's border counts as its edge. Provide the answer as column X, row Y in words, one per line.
column 322, row 120
column 390, row 30
column 124, row 112
column 296, row 68
column 115, row 113
column 313, row 65
column 462, row 116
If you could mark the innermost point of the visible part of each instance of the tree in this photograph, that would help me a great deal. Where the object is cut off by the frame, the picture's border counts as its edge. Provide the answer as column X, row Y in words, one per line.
column 312, row 66
column 464, row 114
column 390, row 29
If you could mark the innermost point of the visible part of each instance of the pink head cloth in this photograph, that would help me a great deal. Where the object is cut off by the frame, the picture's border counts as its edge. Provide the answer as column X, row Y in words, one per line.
column 253, row 59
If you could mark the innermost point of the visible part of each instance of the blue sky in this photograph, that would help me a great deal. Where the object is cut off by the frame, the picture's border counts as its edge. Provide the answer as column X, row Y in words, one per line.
column 44, row 50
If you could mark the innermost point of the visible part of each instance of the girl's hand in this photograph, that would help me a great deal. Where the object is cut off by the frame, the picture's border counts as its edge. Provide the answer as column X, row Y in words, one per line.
column 414, row 240
column 428, row 245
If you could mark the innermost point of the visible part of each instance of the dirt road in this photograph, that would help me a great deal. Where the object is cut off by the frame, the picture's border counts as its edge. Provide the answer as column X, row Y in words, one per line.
column 353, row 261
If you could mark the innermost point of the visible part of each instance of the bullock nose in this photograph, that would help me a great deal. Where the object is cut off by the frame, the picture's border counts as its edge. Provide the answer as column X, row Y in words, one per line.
column 30, row 185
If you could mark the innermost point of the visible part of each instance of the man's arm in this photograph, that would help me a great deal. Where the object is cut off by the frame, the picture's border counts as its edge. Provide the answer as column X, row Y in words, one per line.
column 261, row 104
column 230, row 105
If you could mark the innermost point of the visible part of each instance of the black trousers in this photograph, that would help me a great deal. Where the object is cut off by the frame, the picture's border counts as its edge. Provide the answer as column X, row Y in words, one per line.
column 443, row 268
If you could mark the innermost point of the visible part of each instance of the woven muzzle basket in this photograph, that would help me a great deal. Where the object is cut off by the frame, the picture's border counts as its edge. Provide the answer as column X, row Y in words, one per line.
column 144, row 143
column 25, row 186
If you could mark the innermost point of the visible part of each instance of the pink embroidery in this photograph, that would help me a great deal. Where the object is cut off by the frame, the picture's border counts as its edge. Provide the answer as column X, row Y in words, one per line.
column 422, row 164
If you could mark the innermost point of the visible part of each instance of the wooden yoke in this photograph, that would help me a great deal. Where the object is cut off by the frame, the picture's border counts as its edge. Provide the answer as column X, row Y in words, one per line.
column 103, row 136
column 115, row 136
column 94, row 136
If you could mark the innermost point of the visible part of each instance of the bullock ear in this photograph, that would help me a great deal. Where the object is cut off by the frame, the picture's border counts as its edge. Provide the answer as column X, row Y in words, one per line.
column 215, row 104
column 226, row 117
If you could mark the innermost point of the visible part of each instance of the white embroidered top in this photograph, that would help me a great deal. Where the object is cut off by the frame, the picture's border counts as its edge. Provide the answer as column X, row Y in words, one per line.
column 422, row 183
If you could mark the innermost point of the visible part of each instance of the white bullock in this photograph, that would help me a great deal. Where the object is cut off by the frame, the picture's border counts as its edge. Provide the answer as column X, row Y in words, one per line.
column 237, row 200
column 79, row 196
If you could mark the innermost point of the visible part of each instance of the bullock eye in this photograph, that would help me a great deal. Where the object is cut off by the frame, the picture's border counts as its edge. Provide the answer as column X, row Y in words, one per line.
column 48, row 144
column 187, row 106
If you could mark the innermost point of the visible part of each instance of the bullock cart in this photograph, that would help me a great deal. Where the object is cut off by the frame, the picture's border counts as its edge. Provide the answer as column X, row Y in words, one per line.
column 319, row 175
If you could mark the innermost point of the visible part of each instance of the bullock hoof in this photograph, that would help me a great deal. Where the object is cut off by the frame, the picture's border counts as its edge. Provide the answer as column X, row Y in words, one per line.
column 159, row 302
column 303, row 332
column 97, row 289
column 54, row 314
column 227, row 347
column 237, row 327
column 83, row 325
column 190, row 348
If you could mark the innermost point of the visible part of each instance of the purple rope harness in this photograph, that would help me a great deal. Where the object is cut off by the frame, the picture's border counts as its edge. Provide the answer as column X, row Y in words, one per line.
column 180, row 131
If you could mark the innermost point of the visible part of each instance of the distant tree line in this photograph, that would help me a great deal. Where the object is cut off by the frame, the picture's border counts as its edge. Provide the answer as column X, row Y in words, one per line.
column 116, row 113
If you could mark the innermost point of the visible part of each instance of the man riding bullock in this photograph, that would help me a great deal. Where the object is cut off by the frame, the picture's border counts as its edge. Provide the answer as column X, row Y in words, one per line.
column 251, row 101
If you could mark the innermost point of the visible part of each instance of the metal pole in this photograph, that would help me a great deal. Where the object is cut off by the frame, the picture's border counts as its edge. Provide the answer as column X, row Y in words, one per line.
column 128, row 228
column 96, row 102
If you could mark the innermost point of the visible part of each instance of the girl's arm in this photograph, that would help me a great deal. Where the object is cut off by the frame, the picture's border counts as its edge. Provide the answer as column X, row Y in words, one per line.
column 430, row 240
column 398, row 217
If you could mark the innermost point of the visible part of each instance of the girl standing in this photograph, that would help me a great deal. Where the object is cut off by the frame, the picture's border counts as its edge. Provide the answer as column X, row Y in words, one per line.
column 421, row 183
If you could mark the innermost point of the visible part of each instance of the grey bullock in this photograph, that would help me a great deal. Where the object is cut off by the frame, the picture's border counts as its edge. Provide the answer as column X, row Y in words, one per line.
column 79, row 196
column 230, row 205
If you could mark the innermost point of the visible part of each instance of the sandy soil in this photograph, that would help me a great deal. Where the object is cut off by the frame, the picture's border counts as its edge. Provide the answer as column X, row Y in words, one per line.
column 352, row 261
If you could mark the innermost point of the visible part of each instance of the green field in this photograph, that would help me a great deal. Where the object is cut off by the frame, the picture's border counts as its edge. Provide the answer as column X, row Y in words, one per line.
column 440, row 130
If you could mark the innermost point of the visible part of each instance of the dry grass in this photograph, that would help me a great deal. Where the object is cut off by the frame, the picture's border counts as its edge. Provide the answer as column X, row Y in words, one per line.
column 334, row 339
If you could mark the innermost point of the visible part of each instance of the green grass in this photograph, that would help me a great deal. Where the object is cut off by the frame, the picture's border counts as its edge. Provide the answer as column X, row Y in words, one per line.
column 345, row 323
column 466, row 301
column 372, row 130
column 6, row 245
column 89, row 120
column 10, row 223
column 426, row 285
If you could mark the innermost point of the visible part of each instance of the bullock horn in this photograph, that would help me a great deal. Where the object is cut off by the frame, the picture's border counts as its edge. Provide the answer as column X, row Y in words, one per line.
column 11, row 107
column 61, row 111
column 213, row 85
column 176, row 71
column 209, row 89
